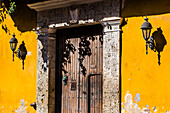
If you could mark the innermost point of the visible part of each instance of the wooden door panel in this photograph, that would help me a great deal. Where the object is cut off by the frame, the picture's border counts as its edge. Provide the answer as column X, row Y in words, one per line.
column 94, row 92
column 83, row 92
column 70, row 90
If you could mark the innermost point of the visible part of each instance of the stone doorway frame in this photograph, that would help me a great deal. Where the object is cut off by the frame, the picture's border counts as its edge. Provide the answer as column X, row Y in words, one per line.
column 111, row 67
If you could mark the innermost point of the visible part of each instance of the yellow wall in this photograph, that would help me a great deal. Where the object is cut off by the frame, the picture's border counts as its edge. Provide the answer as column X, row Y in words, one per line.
column 15, row 83
column 142, row 77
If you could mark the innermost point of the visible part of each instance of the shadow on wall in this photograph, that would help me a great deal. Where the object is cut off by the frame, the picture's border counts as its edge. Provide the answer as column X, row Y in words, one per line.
column 25, row 19
column 123, row 22
column 83, row 51
column 132, row 8
column 159, row 42
column 21, row 53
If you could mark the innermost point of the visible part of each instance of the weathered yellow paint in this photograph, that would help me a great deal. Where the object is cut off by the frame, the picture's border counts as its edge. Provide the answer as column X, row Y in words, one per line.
column 140, row 72
column 16, row 83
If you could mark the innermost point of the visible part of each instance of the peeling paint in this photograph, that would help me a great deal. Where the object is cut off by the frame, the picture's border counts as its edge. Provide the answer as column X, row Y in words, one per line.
column 22, row 108
column 147, row 106
column 130, row 107
column 137, row 98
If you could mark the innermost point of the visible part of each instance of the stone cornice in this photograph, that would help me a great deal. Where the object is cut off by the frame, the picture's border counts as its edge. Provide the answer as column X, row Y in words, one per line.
column 111, row 20
column 53, row 4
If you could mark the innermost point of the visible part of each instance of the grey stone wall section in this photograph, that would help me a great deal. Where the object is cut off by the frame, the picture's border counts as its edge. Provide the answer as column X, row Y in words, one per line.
column 96, row 11
column 111, row 94
column 42, row 72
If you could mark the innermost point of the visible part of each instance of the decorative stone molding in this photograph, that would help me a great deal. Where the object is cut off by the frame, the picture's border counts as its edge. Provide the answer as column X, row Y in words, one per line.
column 94, row 12
column 111, row 62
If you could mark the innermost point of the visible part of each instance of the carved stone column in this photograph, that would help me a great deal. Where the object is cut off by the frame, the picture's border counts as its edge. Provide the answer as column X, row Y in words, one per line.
column 111, row 62
column 52, row 71
column 42, row 71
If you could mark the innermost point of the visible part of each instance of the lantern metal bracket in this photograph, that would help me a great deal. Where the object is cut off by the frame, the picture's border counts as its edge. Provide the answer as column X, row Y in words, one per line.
column 151, row 45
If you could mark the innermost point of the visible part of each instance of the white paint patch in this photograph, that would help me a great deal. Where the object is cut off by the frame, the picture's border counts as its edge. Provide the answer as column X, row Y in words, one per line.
column 131, row 107
column 22, row 108
column 29, row 53
column 58, row 25
column 51, row 26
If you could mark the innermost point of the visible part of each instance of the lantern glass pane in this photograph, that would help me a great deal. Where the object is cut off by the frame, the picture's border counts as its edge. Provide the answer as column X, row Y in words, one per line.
column 148, row 33
column 144, row 33
column 13, row 46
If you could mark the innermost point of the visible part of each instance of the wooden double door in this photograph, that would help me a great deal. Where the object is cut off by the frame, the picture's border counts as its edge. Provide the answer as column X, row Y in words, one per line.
column 82, row 74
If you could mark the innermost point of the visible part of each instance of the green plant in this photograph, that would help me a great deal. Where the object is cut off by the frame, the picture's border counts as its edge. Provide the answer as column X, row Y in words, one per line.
column 4, row 11
column 12, row 7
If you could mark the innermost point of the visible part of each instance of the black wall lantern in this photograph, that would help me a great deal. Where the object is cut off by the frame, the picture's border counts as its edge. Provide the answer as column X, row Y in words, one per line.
column 146, row 30
column 21, row 52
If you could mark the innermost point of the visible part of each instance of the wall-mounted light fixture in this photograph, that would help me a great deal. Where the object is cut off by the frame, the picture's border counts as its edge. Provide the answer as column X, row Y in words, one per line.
column 146, row 30
column 21, row 52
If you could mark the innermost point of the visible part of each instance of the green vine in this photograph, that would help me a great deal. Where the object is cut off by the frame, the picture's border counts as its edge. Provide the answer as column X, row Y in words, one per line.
column 12, row 7
column 4, row 11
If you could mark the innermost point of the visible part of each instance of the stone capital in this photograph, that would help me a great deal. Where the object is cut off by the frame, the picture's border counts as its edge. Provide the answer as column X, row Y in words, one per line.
column 111, row 24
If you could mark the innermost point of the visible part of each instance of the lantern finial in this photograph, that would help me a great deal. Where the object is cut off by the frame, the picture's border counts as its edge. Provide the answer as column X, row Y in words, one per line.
column 146, row 19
